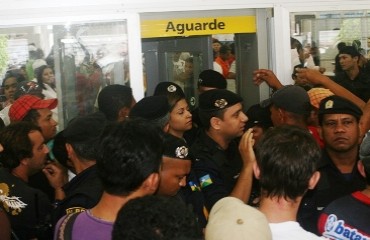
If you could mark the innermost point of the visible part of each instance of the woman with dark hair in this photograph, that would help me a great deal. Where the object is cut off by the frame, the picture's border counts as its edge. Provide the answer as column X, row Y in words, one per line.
column 46, row 79
column 180, row 116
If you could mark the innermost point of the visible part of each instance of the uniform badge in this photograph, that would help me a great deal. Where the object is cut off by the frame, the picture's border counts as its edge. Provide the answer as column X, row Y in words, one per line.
column 182, row 152
column 200, row 81
column 205, row 181
column 221, row 103
column 194, row 187
column 171, row 88
column 329, row 104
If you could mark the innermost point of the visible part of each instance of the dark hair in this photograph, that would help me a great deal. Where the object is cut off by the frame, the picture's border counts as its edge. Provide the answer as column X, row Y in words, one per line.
column 12, row 74
column 113, row 98
column 224, row 49
column 129, row 152
column 205, row 117
column 59, row 149
column 39, row 71
column 86, row 151
column 32, row 116
column 16, row 143
column 287, row 158
column 156, row 218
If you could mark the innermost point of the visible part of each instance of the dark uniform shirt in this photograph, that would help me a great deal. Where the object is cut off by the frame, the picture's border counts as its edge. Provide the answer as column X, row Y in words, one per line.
column 216, row 169
column 192, row 195
column 82, row 192
column 360, row 86
column 28, row 208
column 332, row 185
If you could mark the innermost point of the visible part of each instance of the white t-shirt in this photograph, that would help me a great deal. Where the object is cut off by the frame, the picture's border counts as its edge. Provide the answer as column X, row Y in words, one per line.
column 291, row 231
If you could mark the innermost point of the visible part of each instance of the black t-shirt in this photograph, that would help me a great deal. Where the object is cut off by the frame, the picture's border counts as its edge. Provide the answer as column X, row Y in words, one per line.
column 28, row 208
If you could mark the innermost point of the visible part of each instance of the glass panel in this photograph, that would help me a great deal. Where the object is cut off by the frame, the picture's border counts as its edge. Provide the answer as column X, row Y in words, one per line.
column 183, row 69
column 84, row 57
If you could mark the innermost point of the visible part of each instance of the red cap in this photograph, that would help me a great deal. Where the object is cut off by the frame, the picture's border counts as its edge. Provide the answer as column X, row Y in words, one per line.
column 25, row 103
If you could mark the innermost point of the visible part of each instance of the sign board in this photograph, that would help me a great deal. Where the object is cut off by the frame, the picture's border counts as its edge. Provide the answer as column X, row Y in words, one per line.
column 197, row 26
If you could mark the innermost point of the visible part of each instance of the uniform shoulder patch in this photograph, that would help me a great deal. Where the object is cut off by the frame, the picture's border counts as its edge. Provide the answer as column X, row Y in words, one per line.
column 205, row 181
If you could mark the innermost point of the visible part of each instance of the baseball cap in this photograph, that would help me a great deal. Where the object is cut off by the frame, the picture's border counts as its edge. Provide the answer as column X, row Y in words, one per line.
column 211, row 78
column 336, row 104
column 217, row 99
column 290, row 98
column 27, row 87
column 258, row 115
column 25, row 103
column 151, row 108
column 175, row 147
column 231, row 218
column 85, row 129
column 318, row 94
column 365, row 151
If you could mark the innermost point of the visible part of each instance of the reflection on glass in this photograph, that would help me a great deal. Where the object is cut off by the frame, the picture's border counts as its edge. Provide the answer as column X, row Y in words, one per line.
column 82, row 58
column 183, row 69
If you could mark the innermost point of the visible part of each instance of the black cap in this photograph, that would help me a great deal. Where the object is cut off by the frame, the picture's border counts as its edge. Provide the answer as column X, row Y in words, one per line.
column 164, row 88
column 175, row 147
column 291, row 98
column 350, row 50
column 338, row 105
column 85, row 129
column 151, row 108
column 217, row 99
column 27, row 87
column 211, row 78
column 258, row 115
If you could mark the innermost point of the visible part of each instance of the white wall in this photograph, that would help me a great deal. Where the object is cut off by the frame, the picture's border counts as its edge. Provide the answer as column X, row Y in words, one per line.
column 28, row 12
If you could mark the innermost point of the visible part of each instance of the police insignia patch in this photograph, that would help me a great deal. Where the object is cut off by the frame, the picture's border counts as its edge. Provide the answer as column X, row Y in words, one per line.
column 329, row 104
column 221, row 103
column 182, row 152
column 171, row 88
column 194, row 187
column 205, row 181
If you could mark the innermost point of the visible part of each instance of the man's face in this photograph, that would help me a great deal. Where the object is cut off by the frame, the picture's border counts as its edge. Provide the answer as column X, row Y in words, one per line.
column 347, row 62
column 173, row 175
column 340, row 132
column 47, row 124
column 233, row 122
column 39, row 152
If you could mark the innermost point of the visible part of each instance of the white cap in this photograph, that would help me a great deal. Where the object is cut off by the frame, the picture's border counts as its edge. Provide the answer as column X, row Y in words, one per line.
column 38, row 63
column 231, row 219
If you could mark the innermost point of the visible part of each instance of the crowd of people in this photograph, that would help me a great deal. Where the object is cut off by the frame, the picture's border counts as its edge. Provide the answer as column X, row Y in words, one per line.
column 295, row 166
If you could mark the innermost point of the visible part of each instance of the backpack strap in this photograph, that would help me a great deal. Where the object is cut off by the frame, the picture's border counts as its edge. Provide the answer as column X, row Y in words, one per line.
column 65, row 229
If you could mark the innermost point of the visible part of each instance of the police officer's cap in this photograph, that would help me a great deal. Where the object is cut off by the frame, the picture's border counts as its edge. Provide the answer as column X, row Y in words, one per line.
column 217, row 99
column 165, row 88
column 151, row 108
column 213, row 79
column 175, row 147
column 338, row 105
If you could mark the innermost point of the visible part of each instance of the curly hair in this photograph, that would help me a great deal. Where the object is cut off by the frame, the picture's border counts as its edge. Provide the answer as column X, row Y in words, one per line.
column 156, row 218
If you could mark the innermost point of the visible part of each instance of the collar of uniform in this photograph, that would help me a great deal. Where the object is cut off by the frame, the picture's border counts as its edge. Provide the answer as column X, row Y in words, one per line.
column 80, row 178
column 326, row 162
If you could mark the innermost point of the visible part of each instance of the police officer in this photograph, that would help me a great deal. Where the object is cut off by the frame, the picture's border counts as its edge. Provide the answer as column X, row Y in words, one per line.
column 221, row 169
